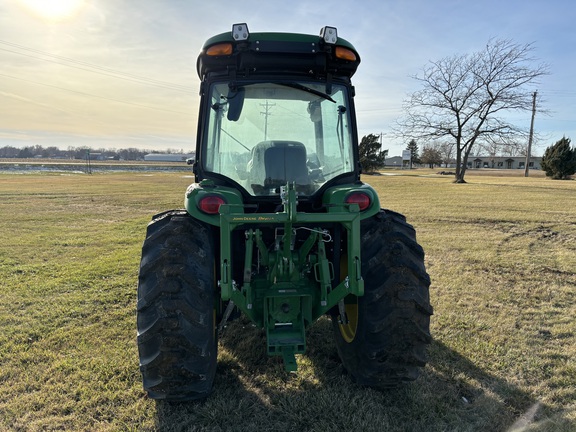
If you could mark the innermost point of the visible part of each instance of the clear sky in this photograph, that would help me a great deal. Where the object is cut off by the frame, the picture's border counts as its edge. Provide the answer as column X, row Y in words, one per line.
column 122, row 73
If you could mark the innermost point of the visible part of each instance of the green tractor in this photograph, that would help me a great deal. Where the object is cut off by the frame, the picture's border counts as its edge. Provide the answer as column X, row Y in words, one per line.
column 279, row 226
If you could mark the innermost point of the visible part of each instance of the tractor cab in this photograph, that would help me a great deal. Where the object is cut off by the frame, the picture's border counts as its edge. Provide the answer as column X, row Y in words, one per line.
column 277, row 109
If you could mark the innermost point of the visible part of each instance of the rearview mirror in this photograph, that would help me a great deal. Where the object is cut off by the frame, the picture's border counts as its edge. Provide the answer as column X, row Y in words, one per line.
column 235, row 103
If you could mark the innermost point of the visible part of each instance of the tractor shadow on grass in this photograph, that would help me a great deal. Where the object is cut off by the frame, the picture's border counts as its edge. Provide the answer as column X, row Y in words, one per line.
column 252, row 391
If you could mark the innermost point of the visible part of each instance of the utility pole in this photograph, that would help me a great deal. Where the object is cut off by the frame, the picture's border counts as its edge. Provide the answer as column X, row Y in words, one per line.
column 266, row 113
column 88, row 166
column 526, row 167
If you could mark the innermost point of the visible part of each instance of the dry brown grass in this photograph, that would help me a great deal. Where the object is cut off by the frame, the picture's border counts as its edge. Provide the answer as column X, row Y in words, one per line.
column 501, row 252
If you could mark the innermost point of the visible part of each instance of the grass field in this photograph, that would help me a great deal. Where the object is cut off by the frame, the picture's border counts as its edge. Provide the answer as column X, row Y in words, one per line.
column 501, row 253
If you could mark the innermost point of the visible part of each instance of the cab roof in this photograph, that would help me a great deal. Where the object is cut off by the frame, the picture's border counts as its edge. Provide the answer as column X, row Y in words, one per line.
column 243, row 53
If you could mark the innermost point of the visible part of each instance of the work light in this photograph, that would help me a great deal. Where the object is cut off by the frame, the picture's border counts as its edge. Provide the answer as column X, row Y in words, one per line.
column 240, row 32
column 329, row 34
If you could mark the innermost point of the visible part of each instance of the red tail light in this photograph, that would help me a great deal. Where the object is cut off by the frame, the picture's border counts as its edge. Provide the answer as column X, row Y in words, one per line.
column 211, row 204
column 360, row 198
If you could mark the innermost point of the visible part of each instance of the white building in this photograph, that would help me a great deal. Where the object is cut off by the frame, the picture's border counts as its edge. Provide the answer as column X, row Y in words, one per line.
column 478, row 162
column 168, row 157
column 503, row 162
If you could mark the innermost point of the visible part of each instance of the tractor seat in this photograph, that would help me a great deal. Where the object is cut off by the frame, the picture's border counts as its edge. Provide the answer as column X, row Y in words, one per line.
column 275, row 163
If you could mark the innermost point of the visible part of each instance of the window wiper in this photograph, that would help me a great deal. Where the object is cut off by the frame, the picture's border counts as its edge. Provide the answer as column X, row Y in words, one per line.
column 235, row 140
column 308, row 90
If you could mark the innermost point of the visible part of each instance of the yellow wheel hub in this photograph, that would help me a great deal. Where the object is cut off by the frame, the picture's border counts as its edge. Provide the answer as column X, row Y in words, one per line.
column 348, row 331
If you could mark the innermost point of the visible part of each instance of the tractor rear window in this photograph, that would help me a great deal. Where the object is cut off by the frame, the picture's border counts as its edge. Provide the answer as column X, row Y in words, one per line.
column 267, row 134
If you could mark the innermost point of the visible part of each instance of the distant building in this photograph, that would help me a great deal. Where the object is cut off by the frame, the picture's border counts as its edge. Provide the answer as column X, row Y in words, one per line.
column 394, row 162
column 168, row 157
column 94, row 156
column 479, row 162
column 503, row 162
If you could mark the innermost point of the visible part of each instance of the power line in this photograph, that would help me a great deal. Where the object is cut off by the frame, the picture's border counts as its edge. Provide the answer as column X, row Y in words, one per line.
column 111, row 74
column 95, row 96
column 90, row 67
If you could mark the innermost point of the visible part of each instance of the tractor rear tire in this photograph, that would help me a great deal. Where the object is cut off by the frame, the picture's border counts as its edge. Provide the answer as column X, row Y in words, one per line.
column 383, row 344
column 177, row 341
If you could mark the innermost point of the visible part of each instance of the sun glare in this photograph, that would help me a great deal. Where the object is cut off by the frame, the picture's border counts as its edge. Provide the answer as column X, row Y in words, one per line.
column 53, row 10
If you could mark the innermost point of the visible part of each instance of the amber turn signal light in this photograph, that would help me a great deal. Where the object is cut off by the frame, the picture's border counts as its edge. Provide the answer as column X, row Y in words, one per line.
column 219, row 49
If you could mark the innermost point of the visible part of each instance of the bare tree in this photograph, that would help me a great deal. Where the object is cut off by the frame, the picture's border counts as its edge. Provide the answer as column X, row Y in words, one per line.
column 431, row 156
column 464, row 97
column 446, row 150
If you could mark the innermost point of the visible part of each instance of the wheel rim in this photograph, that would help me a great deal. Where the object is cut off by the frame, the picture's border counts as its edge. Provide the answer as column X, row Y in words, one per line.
column 348, row 330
